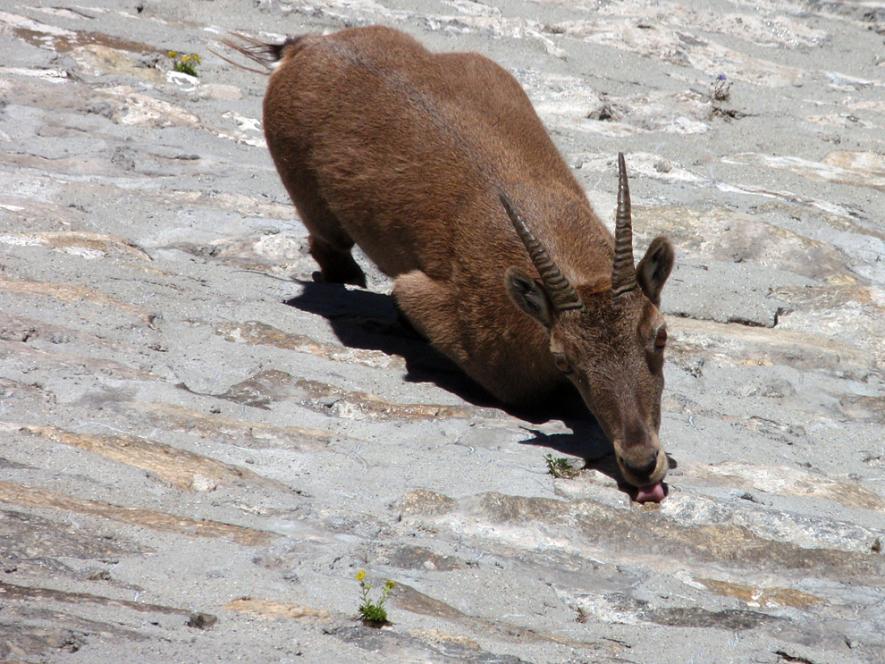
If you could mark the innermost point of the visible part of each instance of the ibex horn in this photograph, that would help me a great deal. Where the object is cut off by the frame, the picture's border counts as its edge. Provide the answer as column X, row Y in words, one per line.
column 623, row 268
column 560, row 291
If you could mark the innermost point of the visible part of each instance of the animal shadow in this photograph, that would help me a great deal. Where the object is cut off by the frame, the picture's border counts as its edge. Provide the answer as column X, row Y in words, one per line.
column 370, row 321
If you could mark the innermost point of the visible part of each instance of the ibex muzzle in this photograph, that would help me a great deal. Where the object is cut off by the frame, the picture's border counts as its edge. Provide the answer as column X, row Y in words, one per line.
column 430, row 162
column 609, row 342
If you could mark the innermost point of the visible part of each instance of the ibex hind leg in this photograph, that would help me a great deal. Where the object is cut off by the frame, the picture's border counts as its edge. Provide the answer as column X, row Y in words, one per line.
column 330, row 244
column 336, row 263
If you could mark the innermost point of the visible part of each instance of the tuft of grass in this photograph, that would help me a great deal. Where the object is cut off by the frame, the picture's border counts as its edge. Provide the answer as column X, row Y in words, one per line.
column 372, row 612
column 186, row 63
column 560, row 467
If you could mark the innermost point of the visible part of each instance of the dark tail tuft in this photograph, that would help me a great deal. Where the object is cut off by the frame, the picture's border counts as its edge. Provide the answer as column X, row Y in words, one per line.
column 277, row 50
column 264, row 53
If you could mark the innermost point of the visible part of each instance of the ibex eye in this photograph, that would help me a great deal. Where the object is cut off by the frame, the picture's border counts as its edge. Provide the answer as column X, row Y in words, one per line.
column 561, row 363
column 661, row 338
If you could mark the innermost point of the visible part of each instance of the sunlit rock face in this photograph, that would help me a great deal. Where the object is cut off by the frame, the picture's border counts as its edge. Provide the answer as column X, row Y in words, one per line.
column 200, row 446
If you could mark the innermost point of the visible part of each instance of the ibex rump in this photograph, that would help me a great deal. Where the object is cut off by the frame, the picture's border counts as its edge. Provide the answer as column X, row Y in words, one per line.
column 437, row 166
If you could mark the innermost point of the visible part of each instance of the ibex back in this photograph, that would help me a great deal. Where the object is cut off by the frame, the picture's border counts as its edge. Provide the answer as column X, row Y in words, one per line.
column 437, row 166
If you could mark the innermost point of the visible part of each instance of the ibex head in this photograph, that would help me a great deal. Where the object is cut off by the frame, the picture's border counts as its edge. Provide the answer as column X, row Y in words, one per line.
column 609, row 342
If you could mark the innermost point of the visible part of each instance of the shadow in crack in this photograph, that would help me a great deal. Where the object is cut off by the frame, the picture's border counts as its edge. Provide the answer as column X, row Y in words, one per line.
column 366, row 320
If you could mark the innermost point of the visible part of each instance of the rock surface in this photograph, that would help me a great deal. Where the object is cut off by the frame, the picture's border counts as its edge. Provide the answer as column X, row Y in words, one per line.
column 199, row 447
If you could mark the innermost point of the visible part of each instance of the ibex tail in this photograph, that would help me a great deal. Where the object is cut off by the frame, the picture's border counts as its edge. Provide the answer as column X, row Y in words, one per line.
column 265, row 54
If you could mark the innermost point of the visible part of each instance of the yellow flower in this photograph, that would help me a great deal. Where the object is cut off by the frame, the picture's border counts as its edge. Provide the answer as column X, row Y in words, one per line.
column 361, row 575
column 390, row 584
column 171, row 54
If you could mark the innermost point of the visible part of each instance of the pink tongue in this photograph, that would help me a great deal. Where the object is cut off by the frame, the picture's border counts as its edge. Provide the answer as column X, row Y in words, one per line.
column 650, row 494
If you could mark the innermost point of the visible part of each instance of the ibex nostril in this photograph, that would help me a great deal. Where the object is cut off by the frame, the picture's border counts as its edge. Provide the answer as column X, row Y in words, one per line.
column 645, row 470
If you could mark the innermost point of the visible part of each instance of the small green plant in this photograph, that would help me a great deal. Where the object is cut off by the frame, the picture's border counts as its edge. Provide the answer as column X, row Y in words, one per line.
column 186, row 63
column 560, row 467
column 373, row 613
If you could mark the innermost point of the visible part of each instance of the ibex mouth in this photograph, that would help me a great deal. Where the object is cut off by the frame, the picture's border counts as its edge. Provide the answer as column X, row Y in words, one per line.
column 653, row 493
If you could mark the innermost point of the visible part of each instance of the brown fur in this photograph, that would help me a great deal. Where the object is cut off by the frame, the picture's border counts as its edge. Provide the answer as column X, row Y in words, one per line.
column 404, row 152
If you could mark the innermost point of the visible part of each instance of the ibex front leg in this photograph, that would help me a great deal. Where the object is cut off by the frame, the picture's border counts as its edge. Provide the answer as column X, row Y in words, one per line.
column 426, row 307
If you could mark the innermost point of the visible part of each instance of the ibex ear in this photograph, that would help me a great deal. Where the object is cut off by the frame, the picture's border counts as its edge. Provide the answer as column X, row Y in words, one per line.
column 528, row 294
column 654, row 268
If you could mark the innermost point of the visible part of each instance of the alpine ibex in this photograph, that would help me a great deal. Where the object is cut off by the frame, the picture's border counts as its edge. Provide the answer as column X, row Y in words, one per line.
column 437, row 166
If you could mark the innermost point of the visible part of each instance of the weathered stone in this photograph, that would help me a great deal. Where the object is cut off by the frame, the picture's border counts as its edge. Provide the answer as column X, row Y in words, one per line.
column 170, row 372
column 271, row 609
column 28, row 497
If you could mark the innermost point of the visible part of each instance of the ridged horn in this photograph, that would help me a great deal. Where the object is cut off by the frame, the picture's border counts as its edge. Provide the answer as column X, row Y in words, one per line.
column 562, row 294
column 623, row 267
